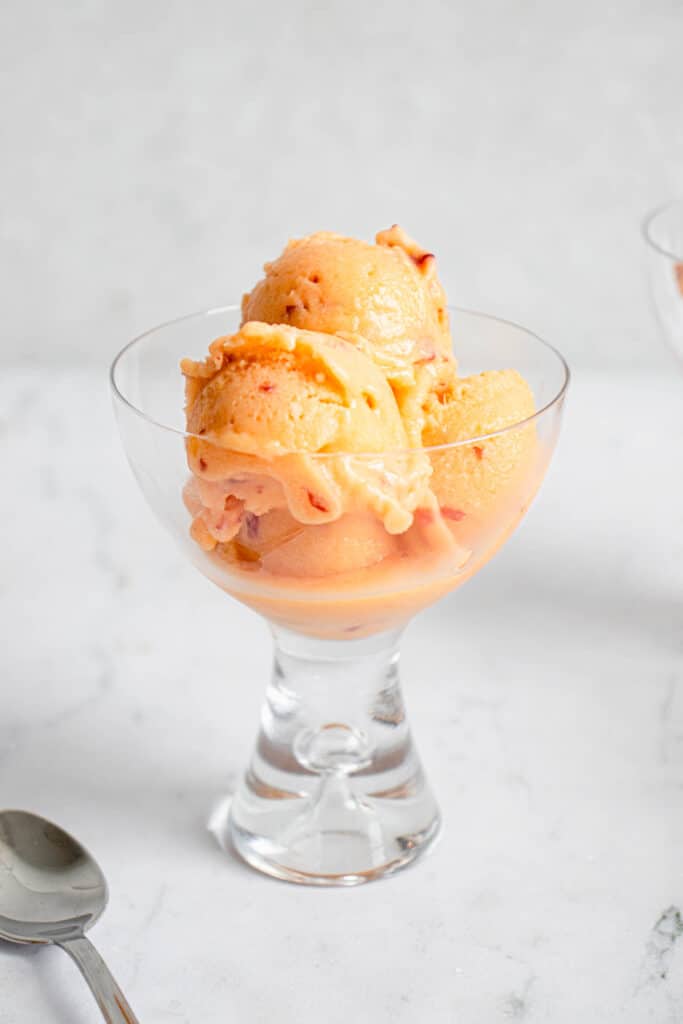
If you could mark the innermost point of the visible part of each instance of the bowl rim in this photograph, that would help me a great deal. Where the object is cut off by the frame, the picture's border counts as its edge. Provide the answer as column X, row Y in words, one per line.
column 556, row 400
column 646, row 229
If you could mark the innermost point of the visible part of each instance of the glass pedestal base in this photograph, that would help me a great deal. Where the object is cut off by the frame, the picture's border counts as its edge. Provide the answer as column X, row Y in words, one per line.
column 335, row 793
column 337, row 858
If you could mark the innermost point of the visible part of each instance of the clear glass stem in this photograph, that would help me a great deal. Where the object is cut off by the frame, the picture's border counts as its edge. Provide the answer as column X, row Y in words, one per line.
column 335, row 793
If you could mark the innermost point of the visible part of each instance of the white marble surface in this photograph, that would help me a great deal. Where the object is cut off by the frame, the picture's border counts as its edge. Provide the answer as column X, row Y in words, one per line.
column 546, row 698
column 156, row 153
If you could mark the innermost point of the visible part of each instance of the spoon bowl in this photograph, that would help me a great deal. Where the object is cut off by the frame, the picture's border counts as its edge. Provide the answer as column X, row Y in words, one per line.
column 52, row 891
column 50, row 886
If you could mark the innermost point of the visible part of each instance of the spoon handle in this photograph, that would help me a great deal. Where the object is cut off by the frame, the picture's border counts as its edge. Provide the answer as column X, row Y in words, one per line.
column 110, row 998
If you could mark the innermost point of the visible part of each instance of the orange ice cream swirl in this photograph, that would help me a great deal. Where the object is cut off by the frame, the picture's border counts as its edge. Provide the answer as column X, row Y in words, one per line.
column 282, row 419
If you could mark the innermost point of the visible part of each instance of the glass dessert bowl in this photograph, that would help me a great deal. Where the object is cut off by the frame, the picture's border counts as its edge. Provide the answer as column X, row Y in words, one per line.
column 361, row 541
column 663, row 232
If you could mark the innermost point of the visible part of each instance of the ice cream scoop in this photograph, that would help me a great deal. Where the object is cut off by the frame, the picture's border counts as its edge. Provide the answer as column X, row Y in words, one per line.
column 387, row 295
column 273, row 390
column 286, row 547
column 266, row 407
column 470, row 481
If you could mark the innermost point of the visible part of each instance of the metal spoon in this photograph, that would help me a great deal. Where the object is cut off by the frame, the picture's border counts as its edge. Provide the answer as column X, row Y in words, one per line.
column 52, row 890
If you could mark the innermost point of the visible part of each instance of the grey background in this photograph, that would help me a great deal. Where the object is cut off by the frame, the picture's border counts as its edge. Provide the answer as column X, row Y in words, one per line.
column 154, row 154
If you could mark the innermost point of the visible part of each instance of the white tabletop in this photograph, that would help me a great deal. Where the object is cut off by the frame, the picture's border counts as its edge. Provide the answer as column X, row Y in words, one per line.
column 546, row 698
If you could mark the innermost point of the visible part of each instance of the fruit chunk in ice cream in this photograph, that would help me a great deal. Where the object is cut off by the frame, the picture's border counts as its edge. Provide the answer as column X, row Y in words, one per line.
column 268, row 408
column 472, row 480
column 387, row 295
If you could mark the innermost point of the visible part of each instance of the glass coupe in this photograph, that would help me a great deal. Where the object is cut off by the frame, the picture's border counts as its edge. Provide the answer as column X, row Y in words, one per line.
column 663, row 232
column 335, row 793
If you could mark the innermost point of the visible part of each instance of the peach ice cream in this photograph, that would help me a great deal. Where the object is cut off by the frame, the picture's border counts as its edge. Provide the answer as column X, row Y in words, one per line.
column 275, row 389
column 286, row 547
column 386, row 298
column 471, row 481
column 318, row 489
column 269, row 408
column 678, row 271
